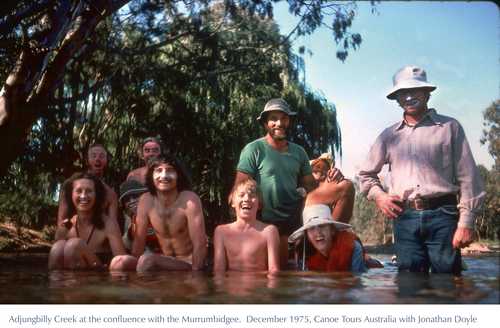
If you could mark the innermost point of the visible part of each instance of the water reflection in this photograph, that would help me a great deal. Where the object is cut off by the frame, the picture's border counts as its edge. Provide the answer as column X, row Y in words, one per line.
column 26, row 281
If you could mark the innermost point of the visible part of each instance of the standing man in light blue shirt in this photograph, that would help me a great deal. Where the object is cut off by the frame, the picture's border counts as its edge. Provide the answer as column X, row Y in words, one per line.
column 435, row 191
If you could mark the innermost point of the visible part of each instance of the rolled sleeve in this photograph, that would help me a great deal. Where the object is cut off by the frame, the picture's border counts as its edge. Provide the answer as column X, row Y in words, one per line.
column 471, row 196
column 368, row 175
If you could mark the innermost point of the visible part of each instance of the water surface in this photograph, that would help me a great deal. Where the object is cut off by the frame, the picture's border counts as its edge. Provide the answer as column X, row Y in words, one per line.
column 25, row 279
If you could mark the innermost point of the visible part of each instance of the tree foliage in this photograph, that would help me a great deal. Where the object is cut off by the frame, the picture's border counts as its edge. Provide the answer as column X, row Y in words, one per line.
column 198, row 77
column 491, row 131
column 488, row 223
column 46, row 42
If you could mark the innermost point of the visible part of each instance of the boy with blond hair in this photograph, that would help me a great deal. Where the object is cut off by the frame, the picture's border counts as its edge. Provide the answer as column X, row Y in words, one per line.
column 246, row 244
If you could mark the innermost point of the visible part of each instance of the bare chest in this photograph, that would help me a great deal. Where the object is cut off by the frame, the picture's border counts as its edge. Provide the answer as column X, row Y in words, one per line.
column 168, row 221
column 245, row 244
column 93, row 237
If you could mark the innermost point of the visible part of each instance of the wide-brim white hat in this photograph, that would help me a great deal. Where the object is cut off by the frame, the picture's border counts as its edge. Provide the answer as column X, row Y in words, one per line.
column 315, row 215
column 276, row 104
column 409, row 77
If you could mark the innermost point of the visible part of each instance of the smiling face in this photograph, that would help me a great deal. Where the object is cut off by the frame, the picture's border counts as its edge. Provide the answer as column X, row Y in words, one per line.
column 320, row 170
column 277, row 124
column 150, row 149
column 97, row 160
column 413, row 101
column 321, row 237
column 245, row 200
column 83, row 195
column 164, row 177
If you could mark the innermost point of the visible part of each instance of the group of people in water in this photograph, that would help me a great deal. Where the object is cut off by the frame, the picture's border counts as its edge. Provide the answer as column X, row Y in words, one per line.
column 281, row 200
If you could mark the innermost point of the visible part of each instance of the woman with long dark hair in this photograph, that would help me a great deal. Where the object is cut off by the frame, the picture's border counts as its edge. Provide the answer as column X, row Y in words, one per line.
column 81, row 238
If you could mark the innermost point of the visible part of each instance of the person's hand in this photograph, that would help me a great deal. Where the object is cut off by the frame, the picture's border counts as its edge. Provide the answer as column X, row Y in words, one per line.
column 463, row 237
column 334, row 175
column 302, row 192
column 390, row 205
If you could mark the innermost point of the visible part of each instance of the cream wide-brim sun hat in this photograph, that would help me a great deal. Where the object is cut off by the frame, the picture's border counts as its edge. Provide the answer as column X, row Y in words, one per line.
column 409, row 77
column 315, row 215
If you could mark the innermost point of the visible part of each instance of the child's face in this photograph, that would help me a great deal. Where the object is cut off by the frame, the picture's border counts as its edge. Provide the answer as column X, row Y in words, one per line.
column 245, row 201
column 319, row 171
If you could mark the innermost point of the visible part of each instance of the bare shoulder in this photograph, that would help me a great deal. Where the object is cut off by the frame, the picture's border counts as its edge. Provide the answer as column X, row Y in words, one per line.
column 134, row 173
column 188, row 194
column 109, row 225
column 222, row 229
column 272, row 234
column 267, row 228
column 110, row 193
column 107, row 222
column 189, row 198
column 146, row 199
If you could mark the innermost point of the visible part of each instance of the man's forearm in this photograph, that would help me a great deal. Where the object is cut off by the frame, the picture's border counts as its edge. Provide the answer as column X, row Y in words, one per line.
column 198, row 258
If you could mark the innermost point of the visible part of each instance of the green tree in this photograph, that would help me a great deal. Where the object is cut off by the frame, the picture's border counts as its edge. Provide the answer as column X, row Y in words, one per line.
column 488, row 223
column 491, row 131
column 198, row 83
column 45, row 42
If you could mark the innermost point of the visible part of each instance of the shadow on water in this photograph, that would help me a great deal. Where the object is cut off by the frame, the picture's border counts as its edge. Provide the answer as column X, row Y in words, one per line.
column 25, row 279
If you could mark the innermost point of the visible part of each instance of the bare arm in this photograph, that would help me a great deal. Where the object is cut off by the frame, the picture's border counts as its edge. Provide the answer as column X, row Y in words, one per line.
column 114, row 237
column 112, row 199
column 220, row 264
column 308, row 182
column 62, row 210
column 273, row 249
column 61, row 233
column 141, row 226
column 64, row 227
column 196, row 225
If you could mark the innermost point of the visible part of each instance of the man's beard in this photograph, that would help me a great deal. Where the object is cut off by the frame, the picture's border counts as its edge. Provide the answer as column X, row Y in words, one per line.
column 278, row 137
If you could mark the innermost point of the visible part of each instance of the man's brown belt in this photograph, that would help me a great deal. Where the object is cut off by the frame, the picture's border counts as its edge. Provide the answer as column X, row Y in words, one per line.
column 421, row 204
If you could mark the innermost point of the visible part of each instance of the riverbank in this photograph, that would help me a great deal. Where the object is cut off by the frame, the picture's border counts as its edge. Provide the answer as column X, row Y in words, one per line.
column 24, row 240
column 15, row 239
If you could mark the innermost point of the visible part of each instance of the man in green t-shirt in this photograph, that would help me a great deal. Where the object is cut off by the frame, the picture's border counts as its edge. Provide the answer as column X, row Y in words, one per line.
column 280, row 167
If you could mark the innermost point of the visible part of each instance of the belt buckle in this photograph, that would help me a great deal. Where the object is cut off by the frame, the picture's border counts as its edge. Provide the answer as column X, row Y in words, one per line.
column 421, row 204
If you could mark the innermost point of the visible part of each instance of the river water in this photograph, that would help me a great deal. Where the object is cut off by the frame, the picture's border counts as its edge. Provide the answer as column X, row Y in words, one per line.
column 25, row 279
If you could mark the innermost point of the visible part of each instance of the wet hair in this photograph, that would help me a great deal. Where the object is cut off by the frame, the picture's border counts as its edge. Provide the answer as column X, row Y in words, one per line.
column 100, row 194
column 183, row 178
column 246, row 181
